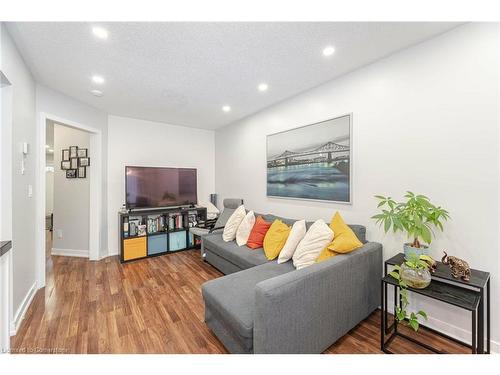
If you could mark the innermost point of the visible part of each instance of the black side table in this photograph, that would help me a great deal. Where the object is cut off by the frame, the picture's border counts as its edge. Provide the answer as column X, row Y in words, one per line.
column 468, row 295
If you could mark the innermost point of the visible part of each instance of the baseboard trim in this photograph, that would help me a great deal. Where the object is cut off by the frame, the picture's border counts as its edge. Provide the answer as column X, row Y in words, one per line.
column 70, row 253
column 21, row 311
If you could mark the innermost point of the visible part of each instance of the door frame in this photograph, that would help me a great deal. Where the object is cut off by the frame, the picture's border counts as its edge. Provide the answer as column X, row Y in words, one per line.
column 95, row 201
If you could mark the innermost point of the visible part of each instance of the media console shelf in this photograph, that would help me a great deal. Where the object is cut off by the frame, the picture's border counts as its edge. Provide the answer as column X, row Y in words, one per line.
column 148, row 233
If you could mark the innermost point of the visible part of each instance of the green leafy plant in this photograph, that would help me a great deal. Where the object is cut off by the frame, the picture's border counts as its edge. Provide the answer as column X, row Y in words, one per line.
column 417, row 217
column 415, row 262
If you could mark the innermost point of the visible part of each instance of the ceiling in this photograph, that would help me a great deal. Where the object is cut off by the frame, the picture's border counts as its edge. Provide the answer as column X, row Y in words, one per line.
column 183, row 73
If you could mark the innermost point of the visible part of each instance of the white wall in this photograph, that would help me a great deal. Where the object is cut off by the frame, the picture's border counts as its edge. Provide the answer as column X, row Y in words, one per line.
column 23, row 207
column 59, row 105
column 424, row 119
column 71, row 197
column 146, row 143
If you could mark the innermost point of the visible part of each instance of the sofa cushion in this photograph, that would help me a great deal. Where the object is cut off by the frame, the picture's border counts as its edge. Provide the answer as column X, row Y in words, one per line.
column 231, row 298
column 243, row 257
column 359, row 230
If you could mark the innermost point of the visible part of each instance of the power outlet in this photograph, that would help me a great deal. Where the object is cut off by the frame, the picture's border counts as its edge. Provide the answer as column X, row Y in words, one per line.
column 59, row 234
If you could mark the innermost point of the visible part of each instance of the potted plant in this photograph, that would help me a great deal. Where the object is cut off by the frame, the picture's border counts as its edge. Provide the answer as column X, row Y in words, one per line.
column 407, row 275
column 417, row 217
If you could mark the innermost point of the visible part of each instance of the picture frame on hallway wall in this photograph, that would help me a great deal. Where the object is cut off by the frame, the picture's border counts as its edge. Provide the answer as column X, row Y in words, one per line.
column 65, row 155
column 82, row 172
column 73, row 151
column 71, row 173
column 312, row 162
column 65, row 165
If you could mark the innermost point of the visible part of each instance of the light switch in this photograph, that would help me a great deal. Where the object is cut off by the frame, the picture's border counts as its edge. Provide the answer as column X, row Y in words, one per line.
column 30, row 191
column 59, row 234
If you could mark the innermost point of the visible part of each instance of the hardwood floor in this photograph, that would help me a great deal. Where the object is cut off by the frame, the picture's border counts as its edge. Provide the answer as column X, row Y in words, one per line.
column 149, row 306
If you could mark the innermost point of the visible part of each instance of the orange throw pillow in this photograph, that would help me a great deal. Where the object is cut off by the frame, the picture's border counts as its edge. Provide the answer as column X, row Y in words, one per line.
column 259, row 230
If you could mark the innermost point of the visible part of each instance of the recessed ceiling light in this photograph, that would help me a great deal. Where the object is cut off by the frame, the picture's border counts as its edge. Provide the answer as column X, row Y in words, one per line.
column 98, row 79
column 47, row 146
column 226, row 108
column 263, row 86
column 328, row 51
column 97, row 93
column 51, row 150
column 100, row 32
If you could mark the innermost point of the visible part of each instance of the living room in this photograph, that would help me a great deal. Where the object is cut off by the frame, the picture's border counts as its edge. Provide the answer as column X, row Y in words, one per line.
column 236, row 207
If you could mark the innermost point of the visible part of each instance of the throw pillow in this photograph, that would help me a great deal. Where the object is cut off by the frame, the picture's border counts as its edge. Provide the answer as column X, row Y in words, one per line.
column 308, row 250
column 297, row 233
column 245, row 228
column 233, row 223
column 275, row 239
column 344, row 240
column 259, row 230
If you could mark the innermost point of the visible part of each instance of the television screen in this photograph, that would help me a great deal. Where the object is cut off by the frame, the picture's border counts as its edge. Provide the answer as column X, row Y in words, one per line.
column 151, row 187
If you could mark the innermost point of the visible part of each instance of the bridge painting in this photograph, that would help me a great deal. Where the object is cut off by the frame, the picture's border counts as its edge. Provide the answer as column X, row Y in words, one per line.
column 311, row 162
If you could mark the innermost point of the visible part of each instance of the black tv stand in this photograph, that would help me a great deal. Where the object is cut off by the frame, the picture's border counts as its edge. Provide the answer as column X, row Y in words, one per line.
column 151, row 232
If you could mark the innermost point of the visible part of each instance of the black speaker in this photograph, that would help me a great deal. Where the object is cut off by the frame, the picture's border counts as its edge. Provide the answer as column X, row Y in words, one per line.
column 213, row 199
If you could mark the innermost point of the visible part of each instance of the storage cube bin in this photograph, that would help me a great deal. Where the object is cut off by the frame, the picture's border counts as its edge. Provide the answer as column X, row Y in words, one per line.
column 134, row 248
column 177, row 240
column 157, row 244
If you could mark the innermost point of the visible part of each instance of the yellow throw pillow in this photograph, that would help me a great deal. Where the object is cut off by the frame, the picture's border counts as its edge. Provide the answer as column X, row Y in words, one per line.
column 275, row 239
column 325, row 254
column 344, row 239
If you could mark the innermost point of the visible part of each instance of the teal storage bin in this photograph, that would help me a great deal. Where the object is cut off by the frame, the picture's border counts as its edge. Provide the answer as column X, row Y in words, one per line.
column 177, row 241
column 157, row 244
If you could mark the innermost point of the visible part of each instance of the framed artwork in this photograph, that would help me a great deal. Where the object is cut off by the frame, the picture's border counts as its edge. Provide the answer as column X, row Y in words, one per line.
column 73, row 151
column 84, row 162
column 65, row 164
column 82, row 152
column 71, row 173
column 82, row 172
column 65, row 155
column 74, row 163
column 312, row 162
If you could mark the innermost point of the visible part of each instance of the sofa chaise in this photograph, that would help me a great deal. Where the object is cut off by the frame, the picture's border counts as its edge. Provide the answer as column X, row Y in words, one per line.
column 260, row 306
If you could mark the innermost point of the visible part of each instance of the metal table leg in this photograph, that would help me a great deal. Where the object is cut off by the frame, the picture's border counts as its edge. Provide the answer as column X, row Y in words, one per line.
column 488, row 316
column 383, row 316
column 474, row 334
column 480, row 323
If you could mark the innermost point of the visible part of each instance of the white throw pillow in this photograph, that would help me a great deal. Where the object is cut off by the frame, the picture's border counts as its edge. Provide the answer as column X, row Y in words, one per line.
column 245, row 228
column 296, row 235
column 308, row 250
column 233, row 223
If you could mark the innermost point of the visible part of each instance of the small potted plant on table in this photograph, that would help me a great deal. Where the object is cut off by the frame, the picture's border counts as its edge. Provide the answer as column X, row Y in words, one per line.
column 417, row 217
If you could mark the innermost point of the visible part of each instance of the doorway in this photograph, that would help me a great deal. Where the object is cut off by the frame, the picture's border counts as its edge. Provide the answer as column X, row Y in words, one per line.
column 72, row 235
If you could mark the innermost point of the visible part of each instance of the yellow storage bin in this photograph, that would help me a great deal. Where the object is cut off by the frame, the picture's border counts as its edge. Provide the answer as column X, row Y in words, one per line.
column 134, row 248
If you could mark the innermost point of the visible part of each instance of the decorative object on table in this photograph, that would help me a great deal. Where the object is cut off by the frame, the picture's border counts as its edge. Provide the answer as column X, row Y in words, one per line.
column 65, row 155
column 141, row 230
column 85, row 162
column 411, row 273
column 74, row 163
column 417, row 217
column 82, row 172
column 82, row 152
column 65, row 164
column 414, row 271
column 459, row 268
column 312, row 161
column 73, row 151
column 71, row 173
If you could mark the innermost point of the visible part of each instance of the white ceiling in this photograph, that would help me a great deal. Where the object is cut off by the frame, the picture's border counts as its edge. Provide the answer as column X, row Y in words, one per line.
column 183, row 73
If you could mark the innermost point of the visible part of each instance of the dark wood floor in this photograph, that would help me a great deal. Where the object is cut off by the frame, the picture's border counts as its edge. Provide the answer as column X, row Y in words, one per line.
column 149, row 306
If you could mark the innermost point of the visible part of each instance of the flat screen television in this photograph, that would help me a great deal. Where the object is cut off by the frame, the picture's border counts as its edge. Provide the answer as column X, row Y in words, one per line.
column 154, row 187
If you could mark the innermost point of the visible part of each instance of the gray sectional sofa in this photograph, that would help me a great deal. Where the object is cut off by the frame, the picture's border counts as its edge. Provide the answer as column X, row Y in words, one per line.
column 261, row 306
